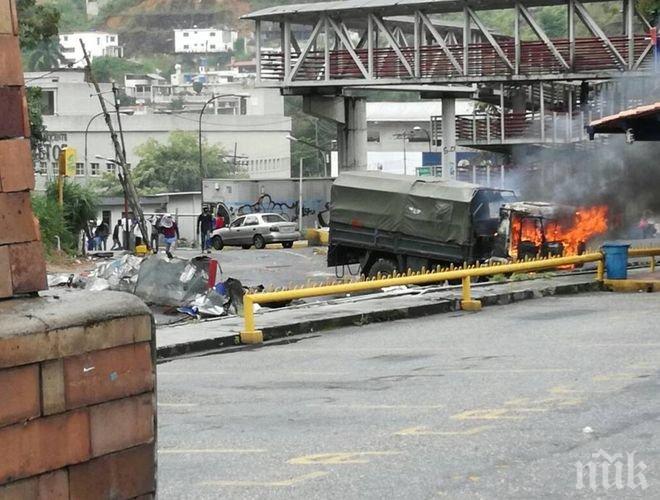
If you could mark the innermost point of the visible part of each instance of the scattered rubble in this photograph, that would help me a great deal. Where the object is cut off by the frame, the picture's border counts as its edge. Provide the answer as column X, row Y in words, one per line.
column 174, row 284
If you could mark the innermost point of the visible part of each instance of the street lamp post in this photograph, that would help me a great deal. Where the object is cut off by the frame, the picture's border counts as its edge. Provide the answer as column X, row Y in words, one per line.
column 300, row 176
column 87, row 131
column 201, row 114
column 417, row 128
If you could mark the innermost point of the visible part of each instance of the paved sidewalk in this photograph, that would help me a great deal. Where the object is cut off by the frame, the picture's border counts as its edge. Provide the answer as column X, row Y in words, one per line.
column 398, row 303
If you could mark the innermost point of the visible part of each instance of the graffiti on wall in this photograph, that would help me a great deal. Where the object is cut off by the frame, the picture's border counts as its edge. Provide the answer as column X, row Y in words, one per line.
column 286, row 208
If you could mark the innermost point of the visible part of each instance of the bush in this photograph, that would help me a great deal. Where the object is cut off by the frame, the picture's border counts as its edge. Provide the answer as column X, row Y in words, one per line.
column 52, row 224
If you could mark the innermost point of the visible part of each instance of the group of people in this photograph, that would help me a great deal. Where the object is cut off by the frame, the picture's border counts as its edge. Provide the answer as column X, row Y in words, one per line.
column 159, row 224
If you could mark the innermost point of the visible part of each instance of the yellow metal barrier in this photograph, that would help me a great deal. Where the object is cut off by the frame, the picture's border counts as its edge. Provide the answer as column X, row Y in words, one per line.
column 251, row 335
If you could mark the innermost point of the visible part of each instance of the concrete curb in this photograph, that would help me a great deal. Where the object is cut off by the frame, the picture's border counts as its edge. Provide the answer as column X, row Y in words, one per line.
column 318, row 325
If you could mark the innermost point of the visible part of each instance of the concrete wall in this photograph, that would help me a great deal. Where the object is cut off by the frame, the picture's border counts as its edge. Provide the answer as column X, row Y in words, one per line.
column 269, row 195
column 78, row 416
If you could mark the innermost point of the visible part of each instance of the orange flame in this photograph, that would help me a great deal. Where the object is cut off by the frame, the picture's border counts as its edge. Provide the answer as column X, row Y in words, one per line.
column 585, row 224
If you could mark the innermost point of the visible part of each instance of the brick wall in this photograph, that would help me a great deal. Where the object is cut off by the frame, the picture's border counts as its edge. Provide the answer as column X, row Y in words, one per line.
column 78, row 412
column 22, row 265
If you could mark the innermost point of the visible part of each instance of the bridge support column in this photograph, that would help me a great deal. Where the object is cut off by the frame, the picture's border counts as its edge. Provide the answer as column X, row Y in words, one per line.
column 448, row 138
column 350, row 115
column 352, row 135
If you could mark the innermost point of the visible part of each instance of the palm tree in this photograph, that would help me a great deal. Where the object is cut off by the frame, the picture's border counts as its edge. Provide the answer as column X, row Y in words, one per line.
column 46, row 55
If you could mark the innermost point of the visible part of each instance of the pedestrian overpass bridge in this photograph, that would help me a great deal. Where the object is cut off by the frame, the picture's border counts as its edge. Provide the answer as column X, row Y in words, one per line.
column 331, row 51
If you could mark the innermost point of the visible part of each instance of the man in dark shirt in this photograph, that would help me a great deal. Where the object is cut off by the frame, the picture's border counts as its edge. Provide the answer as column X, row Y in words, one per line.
column 205, row 227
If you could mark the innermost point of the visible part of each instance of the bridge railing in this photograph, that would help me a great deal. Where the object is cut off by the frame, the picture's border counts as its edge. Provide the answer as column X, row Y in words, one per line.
column 251, row 335
column 536, row 58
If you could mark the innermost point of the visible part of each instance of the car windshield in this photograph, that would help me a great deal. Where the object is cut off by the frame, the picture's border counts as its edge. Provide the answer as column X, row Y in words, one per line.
column 273, row 218
column 238, row 222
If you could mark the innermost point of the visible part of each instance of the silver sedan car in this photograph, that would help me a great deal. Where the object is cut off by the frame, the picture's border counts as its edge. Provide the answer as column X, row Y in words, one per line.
column 257, row 230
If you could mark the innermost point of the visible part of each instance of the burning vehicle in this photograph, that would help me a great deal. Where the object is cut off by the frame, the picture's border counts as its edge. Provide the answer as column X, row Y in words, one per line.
column 390, row 223
column 539, row 229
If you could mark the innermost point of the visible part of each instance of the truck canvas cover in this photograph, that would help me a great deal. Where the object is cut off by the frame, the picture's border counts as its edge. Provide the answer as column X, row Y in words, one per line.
column 430, row 208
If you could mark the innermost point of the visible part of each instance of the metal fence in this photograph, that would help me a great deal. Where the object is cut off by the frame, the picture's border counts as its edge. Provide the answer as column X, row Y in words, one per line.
column 251, row 335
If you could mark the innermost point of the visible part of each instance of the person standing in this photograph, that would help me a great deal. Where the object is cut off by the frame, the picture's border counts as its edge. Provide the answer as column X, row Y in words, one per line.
column 101, row 235
column 205, row 227
column 154, row 235
column 170, row 230
column 116, row 243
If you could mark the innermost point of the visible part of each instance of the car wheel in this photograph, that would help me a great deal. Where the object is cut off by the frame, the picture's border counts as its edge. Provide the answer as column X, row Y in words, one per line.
column 217, row 243
column 259, row 242
column 246, row 247
column 287, row 244
column 384, row 267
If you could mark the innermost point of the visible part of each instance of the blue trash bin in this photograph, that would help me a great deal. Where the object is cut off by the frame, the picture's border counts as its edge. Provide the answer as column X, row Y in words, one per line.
column 616, row 260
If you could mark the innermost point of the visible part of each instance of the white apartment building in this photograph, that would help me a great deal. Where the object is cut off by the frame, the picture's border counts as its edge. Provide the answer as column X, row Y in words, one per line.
column 97, row 43
column 71, row 112
column 203, row 40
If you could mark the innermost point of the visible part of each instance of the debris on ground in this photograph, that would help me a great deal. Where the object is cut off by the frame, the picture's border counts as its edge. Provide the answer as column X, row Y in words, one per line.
column 173, row 285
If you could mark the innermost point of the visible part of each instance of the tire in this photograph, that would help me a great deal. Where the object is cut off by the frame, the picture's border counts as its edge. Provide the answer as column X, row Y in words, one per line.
column 216, row 242
column 383, row 266
column 259, row 242
column 287, row 244
column 246, row 247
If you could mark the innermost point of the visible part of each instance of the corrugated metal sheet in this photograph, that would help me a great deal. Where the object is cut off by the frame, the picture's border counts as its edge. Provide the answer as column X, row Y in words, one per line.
column 638, row 112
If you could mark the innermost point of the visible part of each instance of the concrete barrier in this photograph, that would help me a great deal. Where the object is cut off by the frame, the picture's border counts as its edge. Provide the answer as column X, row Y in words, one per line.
column 78, row 379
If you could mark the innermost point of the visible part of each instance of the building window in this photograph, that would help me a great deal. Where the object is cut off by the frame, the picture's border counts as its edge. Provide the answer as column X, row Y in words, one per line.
column 98, row 40
column 186, row 47
column 373, row 136
column 66, row 38
column 112, row 38
column 186, row 34
column 212, row 33
column 212, row 46
column 48, row 102
column 110, row 168
column 56, row 168
column 80, row 169
column 43, row 168
column 95, row 169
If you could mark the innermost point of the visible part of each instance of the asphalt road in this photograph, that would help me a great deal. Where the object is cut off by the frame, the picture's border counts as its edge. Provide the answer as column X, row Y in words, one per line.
column 270, row 266
column 496, row 404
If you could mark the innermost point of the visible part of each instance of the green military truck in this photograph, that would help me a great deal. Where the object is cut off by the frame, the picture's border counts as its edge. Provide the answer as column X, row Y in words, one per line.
column 387, row 223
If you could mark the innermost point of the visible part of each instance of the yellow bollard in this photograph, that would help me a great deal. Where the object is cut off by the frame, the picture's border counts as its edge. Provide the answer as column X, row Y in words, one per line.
column 652, row 263
column 600, row 270
column 467, row 304
column 250, row 335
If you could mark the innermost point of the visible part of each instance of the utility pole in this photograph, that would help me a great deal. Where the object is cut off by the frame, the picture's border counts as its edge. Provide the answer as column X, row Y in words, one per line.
column 126, row 178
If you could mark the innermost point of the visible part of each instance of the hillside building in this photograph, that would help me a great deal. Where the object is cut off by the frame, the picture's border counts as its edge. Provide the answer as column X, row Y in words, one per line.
column 97, row 43
column 203, row 40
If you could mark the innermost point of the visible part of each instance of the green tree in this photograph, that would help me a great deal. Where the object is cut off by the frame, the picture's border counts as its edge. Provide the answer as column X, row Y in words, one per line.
column 37, row 127
column 174, row 166
column 80, row 205
column 73, row 14
column 45, row 56
column 108, row 68
column 37, row 23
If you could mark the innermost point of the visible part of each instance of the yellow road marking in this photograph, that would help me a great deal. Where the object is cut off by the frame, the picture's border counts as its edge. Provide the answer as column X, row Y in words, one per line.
column 511, row 370
column 424, row 431
column 358, row 457
column 286, row 482
column 381, row 407
column 175, row 451
column 487, row 414
column 613, row 376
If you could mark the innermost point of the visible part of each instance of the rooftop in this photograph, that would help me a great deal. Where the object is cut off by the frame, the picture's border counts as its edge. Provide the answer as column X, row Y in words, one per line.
column 310, row 11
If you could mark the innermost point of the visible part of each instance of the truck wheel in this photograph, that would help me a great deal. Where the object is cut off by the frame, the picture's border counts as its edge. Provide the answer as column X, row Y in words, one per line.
column 384, row 267
column 217, row 243
column 287, row 244
column 259, row 242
